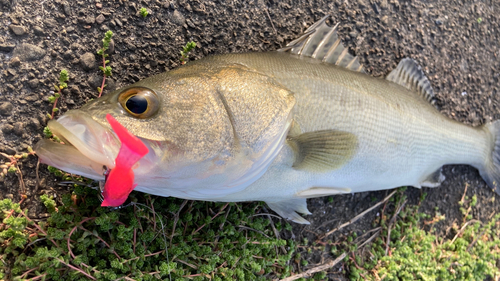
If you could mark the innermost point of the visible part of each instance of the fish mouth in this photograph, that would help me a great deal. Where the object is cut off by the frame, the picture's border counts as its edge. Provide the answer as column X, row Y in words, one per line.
column 87, row 146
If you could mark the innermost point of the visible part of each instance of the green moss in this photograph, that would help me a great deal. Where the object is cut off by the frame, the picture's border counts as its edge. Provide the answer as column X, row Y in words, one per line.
column 111, row 244
column 416, row 255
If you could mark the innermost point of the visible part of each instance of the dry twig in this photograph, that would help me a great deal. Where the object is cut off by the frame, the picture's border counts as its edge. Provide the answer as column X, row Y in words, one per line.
column 318, row 268
column 351, row 221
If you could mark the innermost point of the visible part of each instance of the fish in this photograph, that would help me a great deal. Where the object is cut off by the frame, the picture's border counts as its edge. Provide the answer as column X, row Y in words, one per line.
column 120, row 180
column 301, row 122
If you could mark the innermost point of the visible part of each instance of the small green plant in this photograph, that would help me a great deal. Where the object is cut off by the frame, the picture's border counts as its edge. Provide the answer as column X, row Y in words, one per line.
column 405, row 251
column 48, row 134
column 479, row 20
column 63, row 77
column 11, row 165
column 144, row 12
column 185, row 51
column 155, row 238
column 106, row 69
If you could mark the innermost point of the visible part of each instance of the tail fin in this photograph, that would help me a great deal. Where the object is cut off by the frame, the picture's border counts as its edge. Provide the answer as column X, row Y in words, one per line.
column 491, row 169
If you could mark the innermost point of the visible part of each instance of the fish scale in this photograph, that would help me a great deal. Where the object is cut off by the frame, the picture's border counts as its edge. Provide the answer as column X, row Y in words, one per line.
column 375, row 112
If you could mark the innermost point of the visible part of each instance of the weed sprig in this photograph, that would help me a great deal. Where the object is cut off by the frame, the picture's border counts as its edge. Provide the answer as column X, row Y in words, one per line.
column 185, row 51
column 106, row 69
column 144, row 12
column 63, row 77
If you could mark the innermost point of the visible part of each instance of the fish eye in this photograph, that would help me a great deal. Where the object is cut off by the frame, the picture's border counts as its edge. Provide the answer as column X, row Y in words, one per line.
column 139, row 102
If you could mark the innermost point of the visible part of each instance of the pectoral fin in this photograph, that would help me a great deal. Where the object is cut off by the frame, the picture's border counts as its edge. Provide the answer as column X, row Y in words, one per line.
column 322, row 151
column 289, row 208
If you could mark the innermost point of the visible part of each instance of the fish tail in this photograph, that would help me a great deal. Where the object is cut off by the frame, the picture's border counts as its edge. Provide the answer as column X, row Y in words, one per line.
column 491, row 168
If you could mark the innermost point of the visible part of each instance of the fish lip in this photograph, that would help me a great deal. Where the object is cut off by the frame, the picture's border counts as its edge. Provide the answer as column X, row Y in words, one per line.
column 89, row 138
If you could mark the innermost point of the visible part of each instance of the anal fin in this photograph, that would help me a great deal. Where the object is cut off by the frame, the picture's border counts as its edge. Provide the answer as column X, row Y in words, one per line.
column 288, row 209
column 322, row 151
column 434, row 180
column 322, row 191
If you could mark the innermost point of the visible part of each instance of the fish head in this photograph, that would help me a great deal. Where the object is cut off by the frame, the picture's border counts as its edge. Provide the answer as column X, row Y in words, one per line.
column 200, row 141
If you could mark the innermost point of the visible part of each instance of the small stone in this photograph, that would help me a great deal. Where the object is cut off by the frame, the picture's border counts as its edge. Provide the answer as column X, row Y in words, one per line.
column 99, row 19
column 87, row 61
column 70, row 29
column 9, row 196
column 89, row 20
column 32, row 98
column 190, row 23
column 18, row 128
column 111, row 48
column 74, row 89
column 110, row 85
column 15, row 62
column 66, row 8
column 6, row 47
column 65, row 41
column 75, row 46
column 7, row 128
column 11, row 71
column 98, row 5
column 34, row 123
column 118, row 22
column 17, row 29
column 28, row 52
column 38, row 31
column 68, row 55
column 33, row 83
column 50, row 22
column 178, row 18
column 385, row 20
column 9, row 150
column 95, row 81
column 6, row 108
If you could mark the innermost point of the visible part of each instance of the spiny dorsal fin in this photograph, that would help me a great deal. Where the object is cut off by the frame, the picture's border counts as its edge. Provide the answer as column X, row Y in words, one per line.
column 409, row 75
column 321, row 42
column 323, row 151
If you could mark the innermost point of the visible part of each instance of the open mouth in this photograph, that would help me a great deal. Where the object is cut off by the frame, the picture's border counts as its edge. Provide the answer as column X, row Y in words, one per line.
column 88, row 146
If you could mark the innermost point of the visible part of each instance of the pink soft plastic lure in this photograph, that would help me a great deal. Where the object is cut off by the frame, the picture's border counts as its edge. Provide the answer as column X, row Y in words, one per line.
column 120, row 180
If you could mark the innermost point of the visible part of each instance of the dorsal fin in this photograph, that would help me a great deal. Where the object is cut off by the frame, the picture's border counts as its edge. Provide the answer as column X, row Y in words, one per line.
column 321, row 42
column 409, row 75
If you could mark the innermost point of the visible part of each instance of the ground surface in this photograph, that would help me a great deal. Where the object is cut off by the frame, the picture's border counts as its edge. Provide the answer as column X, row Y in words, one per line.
column 455, row 42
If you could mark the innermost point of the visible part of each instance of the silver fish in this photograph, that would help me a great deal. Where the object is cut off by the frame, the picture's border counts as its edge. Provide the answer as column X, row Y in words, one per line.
column 278, row 127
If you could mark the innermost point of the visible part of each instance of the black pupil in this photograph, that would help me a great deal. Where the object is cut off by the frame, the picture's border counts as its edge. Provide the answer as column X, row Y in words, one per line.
column 137, row 104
